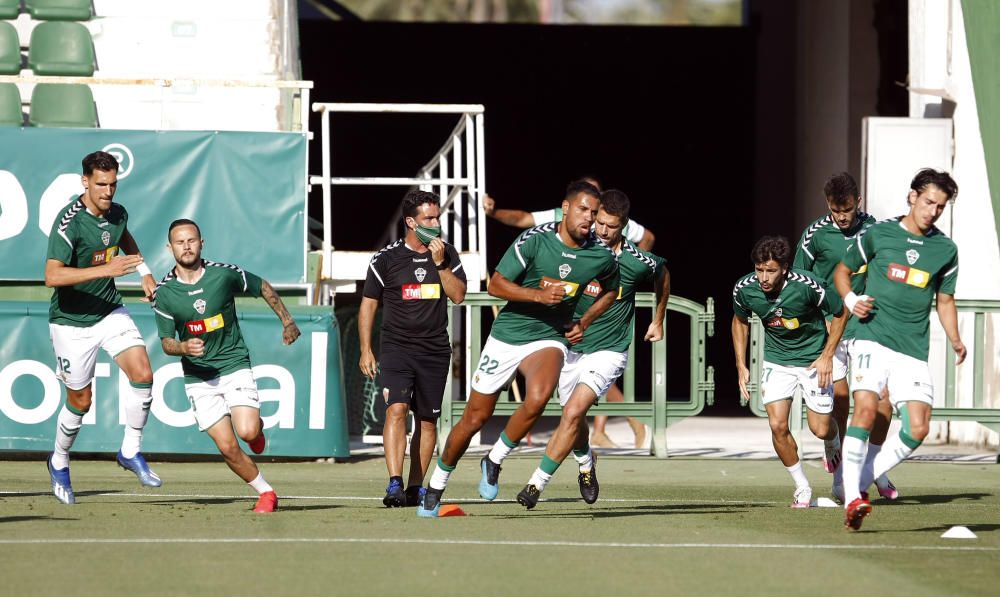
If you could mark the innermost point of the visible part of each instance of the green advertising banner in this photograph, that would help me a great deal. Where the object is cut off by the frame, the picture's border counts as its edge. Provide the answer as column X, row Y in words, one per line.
column 301, row 387
column 245, row 190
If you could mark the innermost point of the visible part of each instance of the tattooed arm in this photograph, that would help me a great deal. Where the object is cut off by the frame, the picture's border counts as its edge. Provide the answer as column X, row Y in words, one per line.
column 291, row 332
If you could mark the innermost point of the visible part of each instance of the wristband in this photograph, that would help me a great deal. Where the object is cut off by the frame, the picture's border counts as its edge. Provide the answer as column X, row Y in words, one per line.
column 442, row 265
column 143, row 270
column 852, row 299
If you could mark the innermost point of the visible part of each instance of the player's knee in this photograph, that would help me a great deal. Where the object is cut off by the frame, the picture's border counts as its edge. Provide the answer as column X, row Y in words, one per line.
column 779, row 428
column 474, row 419
column 820, row 428
column 141, row 374
column 247, row 431
column 396, row 413
column 919, row 430
column 80, row 399
column 229, row 448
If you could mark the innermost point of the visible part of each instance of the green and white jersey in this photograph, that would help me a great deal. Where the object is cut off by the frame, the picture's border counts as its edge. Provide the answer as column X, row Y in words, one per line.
column 823, row 244
column 206, row 310
column 905, row 272
column 794, row 318
column 80, row 239
column 633, row 231
column 537, row 259
column 615, row 328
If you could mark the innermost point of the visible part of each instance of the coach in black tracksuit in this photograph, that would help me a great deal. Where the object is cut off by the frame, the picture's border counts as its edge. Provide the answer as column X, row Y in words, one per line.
column 413, row 278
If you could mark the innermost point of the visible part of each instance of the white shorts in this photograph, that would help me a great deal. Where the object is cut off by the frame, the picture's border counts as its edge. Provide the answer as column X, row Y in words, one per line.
column 841, row 358
column 212, row 400
column 778, row 382
column 875, row 367
column 597, row 371
column 499, row 361
column 76, row 347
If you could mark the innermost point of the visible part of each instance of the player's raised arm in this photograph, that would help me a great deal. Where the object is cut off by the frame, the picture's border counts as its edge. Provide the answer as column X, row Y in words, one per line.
column 290, row 331
column 450, row 270
column 518, row 218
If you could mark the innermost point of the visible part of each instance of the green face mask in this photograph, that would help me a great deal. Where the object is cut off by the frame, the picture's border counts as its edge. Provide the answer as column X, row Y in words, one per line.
column 427, row 233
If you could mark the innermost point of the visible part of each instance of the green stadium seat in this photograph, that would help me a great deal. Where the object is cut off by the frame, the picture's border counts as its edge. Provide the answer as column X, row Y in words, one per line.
column 10, row 105
column 9, row 9
column 59, row 10
column 10, row 50
column 54, row 105
column 62, row 49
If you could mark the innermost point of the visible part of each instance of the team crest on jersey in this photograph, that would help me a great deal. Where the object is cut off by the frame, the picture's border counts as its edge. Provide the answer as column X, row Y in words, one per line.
column 106, row 238
column 777, row 312
column 199, row 306
column 564, row 270
column 420, row 273
column 912, row 256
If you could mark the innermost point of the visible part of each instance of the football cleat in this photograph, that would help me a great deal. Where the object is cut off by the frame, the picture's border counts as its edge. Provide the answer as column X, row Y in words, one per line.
column 395, row 497
column 886, row 489
column 259, row 442
column 831, row 456
column 430, row 504
column 856, row 512
column 802, row 497
column 589, row 487
column 61, row 486
column 489, row 484
column 137, row 464
column 267, row 502
column 414, row 495
column 528, row 497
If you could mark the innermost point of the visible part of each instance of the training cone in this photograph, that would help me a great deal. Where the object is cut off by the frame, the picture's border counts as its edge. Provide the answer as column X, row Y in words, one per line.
column 825, row 502
column 450, row 510
column 958, row 533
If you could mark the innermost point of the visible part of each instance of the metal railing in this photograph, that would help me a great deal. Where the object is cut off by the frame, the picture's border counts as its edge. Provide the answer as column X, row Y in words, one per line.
column 659, row 412
column 456, row 172
column 954, row 405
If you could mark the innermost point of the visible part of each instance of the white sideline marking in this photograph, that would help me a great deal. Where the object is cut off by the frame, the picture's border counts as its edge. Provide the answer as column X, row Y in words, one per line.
column 486, row 542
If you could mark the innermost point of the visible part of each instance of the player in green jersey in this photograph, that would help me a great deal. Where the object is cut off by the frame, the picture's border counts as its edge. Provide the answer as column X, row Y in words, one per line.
column 798, row 351
column 542, row 277
column 87, row 314
column 196, row 303
column 593, row 365
column 819, row 251
column 910, row 263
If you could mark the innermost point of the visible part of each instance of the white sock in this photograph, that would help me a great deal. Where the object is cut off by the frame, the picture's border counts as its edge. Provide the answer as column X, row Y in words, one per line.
column 67, row 427
column 868, row 472
column 136, row 414
column 586, row 461
column 439, row 478
column 500, row 451
column 539, row 479
column 893, row 452
column 260, row 484
column 797, row 475
column 855, row 450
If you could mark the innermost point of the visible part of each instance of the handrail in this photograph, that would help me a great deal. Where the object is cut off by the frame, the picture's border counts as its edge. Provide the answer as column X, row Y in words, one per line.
column 659, row 412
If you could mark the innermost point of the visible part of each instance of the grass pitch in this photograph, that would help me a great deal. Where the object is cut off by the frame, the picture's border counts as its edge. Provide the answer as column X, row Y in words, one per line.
column 661, row 527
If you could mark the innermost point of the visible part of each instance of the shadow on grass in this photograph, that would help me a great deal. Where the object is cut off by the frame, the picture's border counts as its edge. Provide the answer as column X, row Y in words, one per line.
column 934, row 499
column 650, row 510
column 4, row 519
column 49, row 494
column 295, row 507
column 975, row 528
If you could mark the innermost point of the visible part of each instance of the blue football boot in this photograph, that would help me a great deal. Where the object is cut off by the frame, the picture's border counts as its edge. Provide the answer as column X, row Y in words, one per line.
column 61, row 486
column 489, row 484
column 395, row 497
column 431, row 503
column 137, row 464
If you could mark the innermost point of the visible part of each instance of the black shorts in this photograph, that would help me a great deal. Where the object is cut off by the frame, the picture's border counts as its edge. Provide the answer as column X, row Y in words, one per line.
column 414, row 379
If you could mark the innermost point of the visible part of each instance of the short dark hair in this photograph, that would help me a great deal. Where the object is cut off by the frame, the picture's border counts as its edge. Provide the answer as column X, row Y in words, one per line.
column 616, row 203
column 414, row 199
column 182, row 222
column 590, row 178
column 99, row 160
column 772, row 247
column 840, row 188
column 581, row 186
column 930, row 176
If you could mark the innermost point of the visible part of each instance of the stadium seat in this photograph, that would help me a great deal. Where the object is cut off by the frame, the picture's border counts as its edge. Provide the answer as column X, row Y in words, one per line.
column 54, row 105
column 59, row 10
column 10, row 50
column 10, row 105
column 9, row 9
column 62, row 49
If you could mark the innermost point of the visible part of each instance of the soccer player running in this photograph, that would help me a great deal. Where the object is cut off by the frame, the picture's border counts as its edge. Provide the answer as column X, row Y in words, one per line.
column 413, row 278
column 594, row 364
column 542, row 276
column 910, row 263
column 86, row 313
column 820, row 249
column 798, row 350
column 196, row 303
